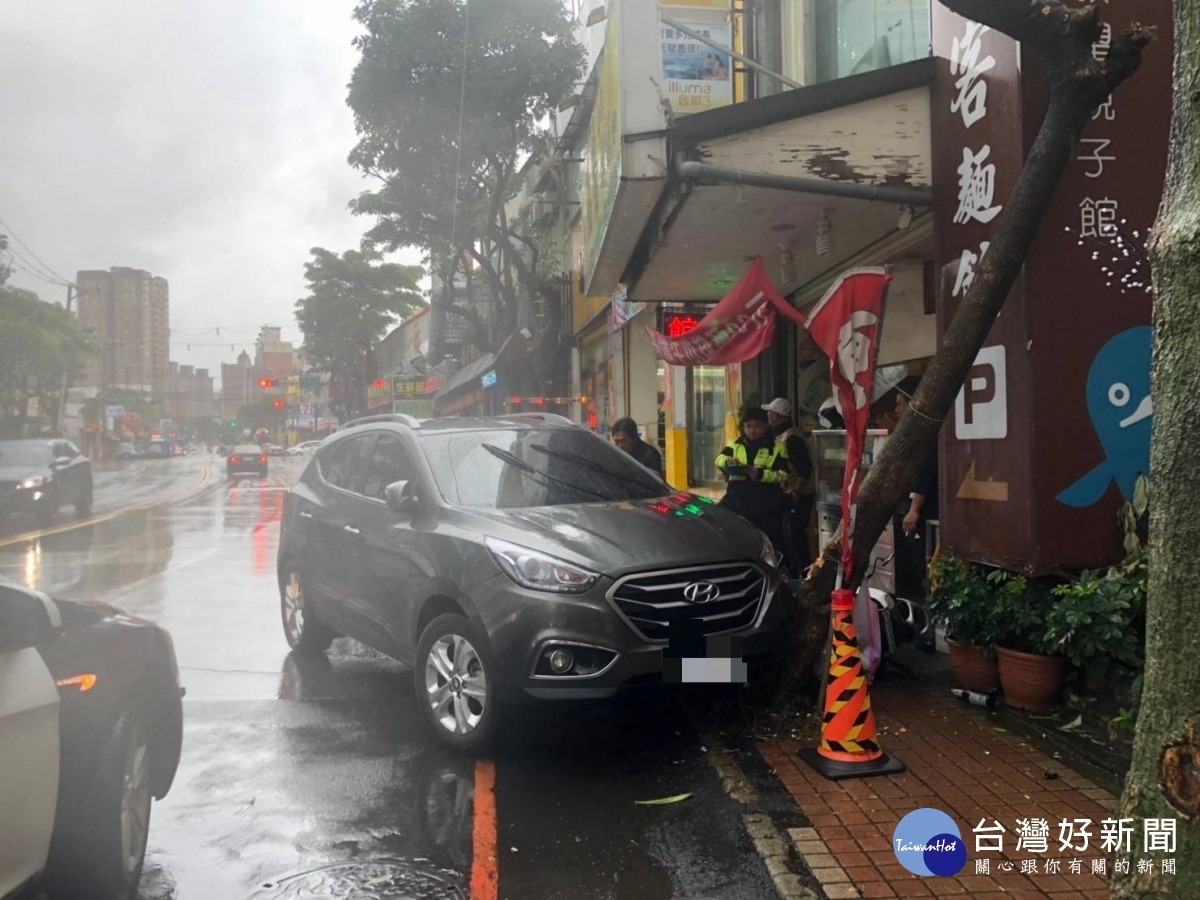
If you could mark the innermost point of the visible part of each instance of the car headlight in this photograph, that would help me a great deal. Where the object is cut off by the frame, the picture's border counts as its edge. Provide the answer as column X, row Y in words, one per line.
column 769, row 555
column 34, row 482
column 538, row 571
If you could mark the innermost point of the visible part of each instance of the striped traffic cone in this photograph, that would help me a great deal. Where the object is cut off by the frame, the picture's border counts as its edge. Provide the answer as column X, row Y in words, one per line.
column 849, row 748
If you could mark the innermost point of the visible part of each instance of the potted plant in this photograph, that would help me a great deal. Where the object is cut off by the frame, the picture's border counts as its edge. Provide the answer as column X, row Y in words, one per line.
column 961, row 596
column 1031, row 671
column 1098, row 622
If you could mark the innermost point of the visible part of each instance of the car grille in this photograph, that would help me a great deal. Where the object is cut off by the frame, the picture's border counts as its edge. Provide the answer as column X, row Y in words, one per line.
column 652, row 602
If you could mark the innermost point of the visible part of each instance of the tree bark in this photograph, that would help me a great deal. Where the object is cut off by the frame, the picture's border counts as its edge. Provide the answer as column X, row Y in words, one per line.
column 1164, row 777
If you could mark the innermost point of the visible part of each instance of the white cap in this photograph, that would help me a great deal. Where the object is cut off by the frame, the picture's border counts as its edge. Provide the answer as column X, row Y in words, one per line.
column 780, row 406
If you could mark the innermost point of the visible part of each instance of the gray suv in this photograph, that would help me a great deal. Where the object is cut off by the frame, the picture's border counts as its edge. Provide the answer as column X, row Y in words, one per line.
column 512, row 558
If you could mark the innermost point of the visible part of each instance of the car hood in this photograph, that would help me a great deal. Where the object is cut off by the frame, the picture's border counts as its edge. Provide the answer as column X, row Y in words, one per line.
column 614, row 538
column 20, row 473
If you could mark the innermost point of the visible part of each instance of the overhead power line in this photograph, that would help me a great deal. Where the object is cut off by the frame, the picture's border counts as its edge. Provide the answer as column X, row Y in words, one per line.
column 12, row 234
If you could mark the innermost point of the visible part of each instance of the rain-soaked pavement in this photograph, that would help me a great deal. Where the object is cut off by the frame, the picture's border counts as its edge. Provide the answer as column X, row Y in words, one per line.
column 305, row 777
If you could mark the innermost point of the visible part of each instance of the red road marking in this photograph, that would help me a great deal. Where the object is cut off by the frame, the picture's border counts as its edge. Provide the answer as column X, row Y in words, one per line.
column 485, row 879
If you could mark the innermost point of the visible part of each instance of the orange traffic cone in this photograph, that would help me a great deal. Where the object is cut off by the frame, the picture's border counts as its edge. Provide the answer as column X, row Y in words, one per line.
column 849, row 748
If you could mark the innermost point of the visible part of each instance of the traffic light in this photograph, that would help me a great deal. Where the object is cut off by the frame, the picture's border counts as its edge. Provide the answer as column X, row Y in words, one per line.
column 266, row 382
column 279, row 404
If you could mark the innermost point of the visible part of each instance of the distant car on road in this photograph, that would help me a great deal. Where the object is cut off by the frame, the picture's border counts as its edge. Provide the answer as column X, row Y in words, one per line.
column 127, row 450
column 159, row 449
column 91, row 726
column 246, row 458
column 303, row 448
column 514, row 558
column 274, row 450
column 38, row 476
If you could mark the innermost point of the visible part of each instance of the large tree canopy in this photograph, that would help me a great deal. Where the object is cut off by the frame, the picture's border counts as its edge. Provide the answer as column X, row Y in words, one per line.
column 39, row 344
column 352, row 301
column 430, row 70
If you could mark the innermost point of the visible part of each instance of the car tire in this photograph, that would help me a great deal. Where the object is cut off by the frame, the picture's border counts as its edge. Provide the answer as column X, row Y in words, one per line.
column 83, row 506
column 303, row 632
column 48, row 511
column 100, row 848
column 454, row 684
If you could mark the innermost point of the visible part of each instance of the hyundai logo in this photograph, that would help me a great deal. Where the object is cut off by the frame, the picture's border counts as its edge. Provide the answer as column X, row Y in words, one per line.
column 701, row 592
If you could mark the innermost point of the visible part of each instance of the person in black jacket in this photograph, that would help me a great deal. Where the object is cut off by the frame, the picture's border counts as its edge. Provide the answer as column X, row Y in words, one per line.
column 798, row 489
column 756, row 468
column 625, row 436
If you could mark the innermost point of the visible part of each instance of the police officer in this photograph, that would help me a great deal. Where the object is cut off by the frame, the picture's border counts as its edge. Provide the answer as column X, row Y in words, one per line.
column 756, row 467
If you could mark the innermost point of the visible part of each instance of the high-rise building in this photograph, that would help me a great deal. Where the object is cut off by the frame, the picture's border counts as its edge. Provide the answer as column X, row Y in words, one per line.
column 237, row 380
column 191, row 395
column 127, row 313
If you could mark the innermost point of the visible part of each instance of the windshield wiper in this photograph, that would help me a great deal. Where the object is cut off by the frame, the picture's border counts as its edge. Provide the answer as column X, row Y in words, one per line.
column 595, row 467
column 520, row 464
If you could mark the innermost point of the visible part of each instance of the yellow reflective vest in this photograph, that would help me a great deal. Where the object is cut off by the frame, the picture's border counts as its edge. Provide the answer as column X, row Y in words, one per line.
column 771, row 458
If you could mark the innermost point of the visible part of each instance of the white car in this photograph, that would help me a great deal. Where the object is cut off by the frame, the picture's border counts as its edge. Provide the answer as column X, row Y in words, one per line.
column 91, row 725
column 303, row 449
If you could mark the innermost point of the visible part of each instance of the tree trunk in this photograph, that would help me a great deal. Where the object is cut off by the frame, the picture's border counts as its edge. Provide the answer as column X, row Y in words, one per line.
column 1164, row 778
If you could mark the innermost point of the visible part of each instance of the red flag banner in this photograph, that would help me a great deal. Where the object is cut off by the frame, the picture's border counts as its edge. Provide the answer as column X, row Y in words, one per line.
column 738, row 328
column 846, row 325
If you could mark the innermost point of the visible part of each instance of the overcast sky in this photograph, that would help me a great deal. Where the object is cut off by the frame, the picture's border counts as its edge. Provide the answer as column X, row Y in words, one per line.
column 204, row 142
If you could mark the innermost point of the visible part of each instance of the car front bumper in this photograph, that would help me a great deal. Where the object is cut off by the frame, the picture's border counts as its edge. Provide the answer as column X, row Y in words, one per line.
column 523, row 625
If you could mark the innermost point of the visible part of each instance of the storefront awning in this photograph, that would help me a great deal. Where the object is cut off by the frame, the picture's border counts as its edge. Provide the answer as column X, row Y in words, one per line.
column 845, row 158
column 469, row 375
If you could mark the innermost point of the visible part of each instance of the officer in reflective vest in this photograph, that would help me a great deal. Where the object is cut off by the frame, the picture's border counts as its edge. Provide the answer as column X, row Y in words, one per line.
column 756, row 467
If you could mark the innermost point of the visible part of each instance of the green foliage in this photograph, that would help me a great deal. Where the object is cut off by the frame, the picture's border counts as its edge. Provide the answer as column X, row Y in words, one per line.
column 445, row 124
column 961, row 595
column 39, row 343
column 1101, row 616
column 353, row 299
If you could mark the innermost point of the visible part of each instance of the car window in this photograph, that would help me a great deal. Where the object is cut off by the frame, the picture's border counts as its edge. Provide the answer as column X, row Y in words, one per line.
column 345, row 463
column 22, row 453
column 246, row 450
column 518, row 468
column 390, row 462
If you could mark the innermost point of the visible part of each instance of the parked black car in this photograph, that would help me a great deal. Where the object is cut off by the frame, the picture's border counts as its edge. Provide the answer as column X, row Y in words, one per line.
column 38, row 476
column 511, row 558
column 91, row 725
column 246, row 458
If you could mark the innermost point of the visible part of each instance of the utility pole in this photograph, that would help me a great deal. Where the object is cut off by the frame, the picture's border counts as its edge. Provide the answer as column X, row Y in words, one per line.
column 62, row 401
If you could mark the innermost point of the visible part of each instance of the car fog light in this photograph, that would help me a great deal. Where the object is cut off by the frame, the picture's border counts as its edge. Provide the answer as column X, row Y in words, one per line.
column 561, row 661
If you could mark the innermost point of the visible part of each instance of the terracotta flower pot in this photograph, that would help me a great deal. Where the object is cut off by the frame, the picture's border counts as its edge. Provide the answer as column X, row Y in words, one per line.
column 974, row 669
column 1031, row 681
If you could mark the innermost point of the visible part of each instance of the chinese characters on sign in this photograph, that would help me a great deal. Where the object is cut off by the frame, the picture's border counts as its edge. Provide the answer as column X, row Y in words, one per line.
column 1098, row 218
column 697, row 76
column 976, row 176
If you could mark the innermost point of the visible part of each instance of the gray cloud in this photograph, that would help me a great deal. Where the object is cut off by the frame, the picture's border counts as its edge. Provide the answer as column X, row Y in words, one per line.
column 204, row 142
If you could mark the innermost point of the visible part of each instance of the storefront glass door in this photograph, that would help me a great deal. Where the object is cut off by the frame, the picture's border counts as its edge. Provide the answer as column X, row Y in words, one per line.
column 706, row 424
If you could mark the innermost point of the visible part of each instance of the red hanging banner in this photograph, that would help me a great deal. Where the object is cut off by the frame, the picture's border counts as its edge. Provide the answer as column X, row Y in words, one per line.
column 846, row 325
column 738, row 328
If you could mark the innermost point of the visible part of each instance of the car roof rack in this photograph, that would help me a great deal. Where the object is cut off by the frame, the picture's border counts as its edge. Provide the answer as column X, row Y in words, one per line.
column 539, row 417
column 397, row 418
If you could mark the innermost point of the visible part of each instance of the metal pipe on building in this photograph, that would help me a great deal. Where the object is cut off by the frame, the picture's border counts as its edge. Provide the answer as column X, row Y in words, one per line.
column 882, row 193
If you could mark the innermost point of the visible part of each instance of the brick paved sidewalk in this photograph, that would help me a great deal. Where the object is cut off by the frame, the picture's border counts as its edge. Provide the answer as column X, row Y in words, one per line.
column 961, row 762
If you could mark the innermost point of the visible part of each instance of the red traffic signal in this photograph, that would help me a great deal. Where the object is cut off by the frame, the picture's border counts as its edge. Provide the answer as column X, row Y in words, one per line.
column 266, row 382
column 278, row 404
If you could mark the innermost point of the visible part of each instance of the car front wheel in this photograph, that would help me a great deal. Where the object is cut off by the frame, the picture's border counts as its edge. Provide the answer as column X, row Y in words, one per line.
column 304, row 633
column 454, row 685
column 101, row 848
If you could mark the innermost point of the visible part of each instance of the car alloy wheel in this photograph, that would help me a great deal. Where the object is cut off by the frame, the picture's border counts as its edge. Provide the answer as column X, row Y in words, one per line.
column 303, row 632
column 456, row 684
column 135, row 802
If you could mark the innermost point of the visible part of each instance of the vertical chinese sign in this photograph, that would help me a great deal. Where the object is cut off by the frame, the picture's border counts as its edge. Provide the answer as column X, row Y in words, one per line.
column 977, row 156
column 1052, row 425
column 1088, row 303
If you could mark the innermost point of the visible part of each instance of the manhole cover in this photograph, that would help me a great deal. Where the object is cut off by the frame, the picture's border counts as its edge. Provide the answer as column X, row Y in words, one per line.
column 372, row 879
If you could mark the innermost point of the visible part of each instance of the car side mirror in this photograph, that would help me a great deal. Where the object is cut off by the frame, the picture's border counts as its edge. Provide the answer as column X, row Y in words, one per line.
column 401, row 497
column 24, row 621
column 61, row 462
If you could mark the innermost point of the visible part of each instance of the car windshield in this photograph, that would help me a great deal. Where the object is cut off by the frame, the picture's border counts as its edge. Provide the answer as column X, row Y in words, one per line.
column 20, row 453
column 518, row 468
column 246, row 450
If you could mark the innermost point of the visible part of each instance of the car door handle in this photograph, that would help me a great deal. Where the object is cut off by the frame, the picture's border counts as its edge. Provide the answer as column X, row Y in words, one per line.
column 350, row 529
column 306, row 515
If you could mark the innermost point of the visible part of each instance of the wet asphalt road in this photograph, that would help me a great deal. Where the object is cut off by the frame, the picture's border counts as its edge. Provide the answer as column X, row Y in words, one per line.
column 305, row 777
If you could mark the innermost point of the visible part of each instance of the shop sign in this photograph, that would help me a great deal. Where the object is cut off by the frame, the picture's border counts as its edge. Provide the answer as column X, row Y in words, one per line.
column 379, row 389
column 404, row 386
column 421, row 409
column 488, row 379
column 696, row 76
column 601, row 175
